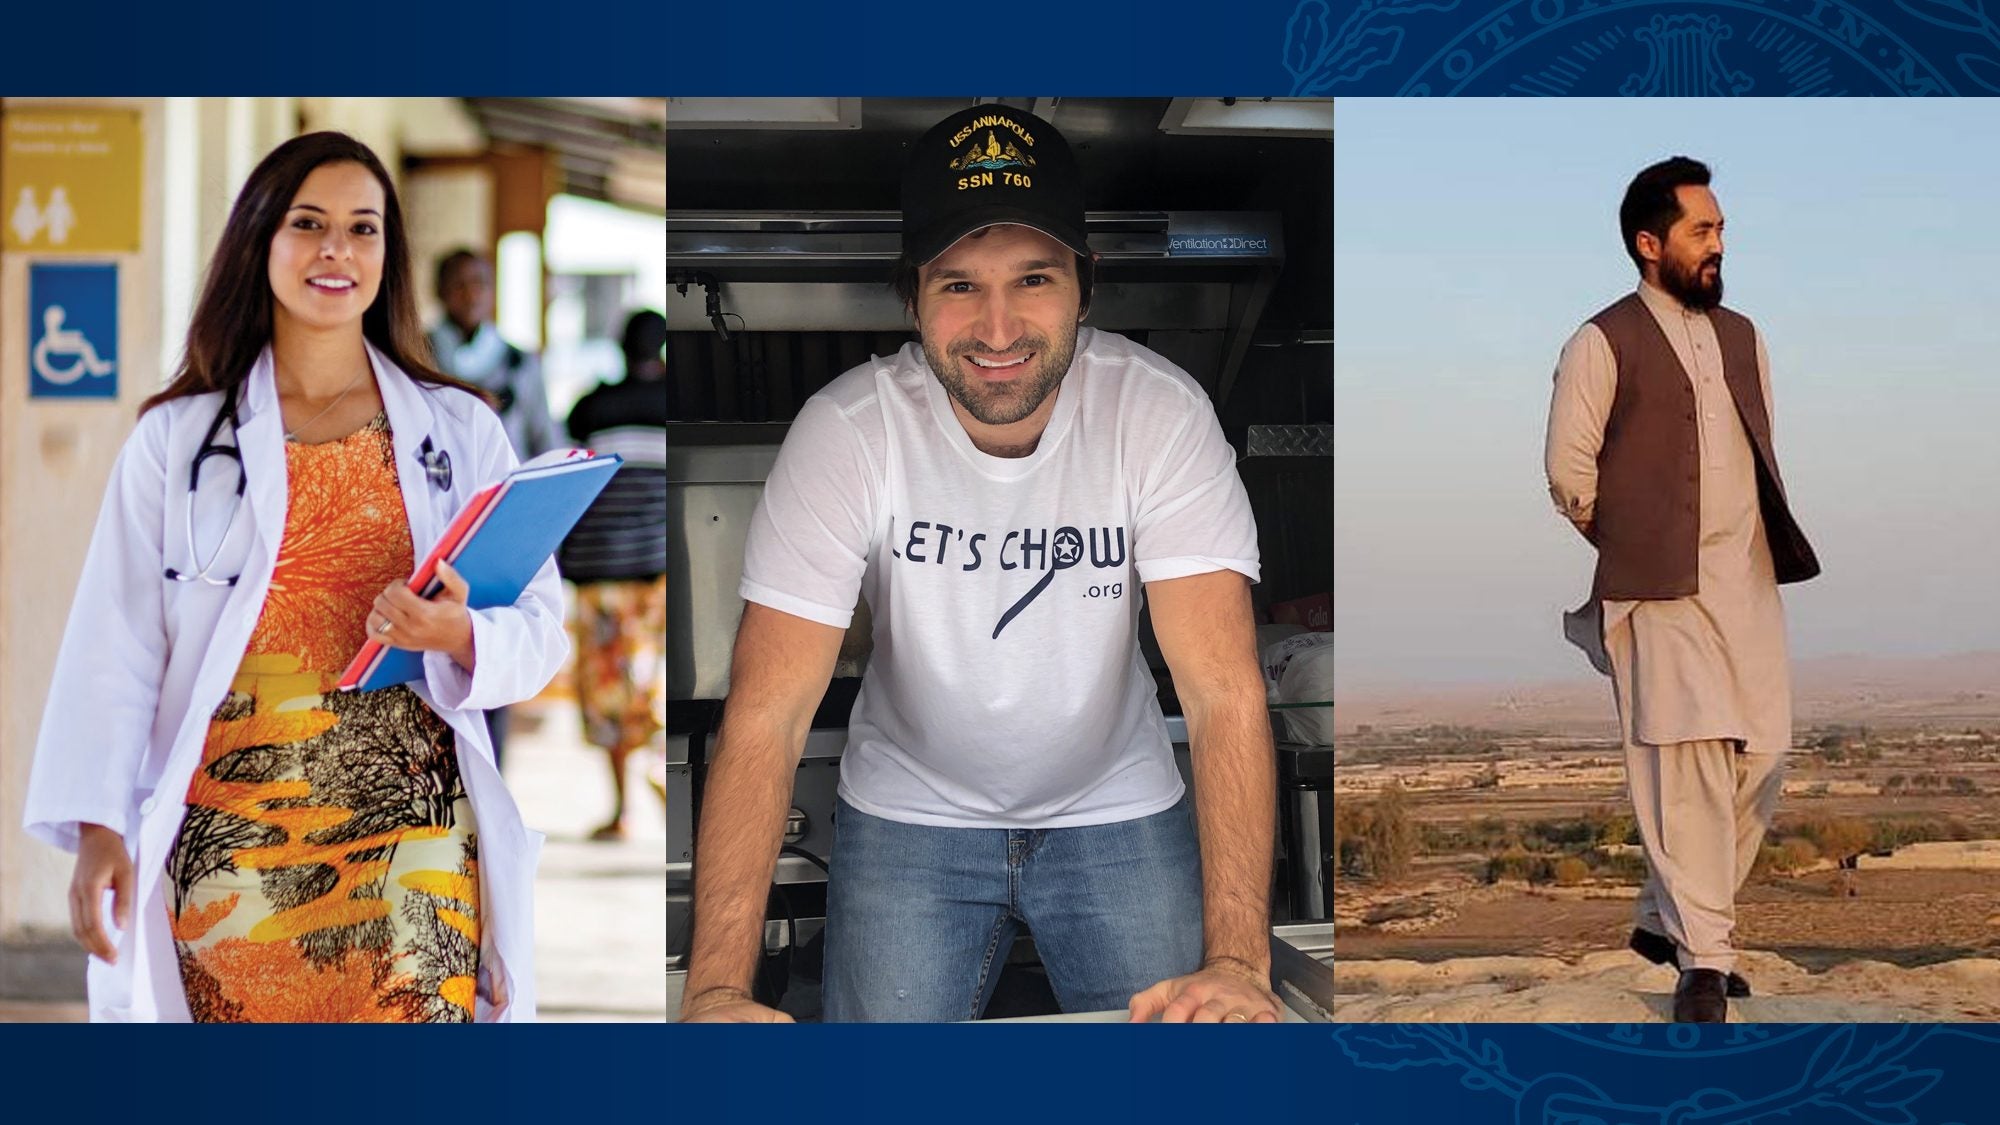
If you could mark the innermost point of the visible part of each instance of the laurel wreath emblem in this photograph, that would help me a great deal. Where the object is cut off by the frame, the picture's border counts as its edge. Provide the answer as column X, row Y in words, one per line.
column 1856, row 1074
column 1969, row 16
column 1318, row 57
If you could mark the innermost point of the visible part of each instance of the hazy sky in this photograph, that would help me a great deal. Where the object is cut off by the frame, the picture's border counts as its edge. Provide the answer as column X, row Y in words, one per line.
column 1472, row 237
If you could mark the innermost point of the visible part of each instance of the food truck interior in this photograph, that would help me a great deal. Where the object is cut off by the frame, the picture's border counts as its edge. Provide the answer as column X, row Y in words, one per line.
column 1214, row 222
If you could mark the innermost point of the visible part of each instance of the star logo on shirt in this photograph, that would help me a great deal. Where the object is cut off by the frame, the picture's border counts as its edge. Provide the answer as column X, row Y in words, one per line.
column 1068, row 547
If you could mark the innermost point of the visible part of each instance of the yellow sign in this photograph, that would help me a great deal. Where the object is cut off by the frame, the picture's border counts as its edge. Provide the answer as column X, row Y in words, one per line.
column 70, row 179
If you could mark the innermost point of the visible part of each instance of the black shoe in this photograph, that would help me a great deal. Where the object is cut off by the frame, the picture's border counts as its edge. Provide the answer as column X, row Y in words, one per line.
column 1660, row 950
column 1701, row 997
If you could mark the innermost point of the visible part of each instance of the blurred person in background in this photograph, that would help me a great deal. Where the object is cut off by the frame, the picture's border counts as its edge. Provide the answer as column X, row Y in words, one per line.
column 469, row 347
column 276, row 850
column 617, row 556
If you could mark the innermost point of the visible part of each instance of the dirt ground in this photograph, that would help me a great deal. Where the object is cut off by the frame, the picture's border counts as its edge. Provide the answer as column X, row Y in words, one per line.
column 1617, row 987
column 1918, row 940
column 1906, row 918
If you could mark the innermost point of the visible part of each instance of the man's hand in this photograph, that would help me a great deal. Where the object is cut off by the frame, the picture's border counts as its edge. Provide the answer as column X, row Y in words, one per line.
column 1222, row 992
column 780, row 671
column 728, row 1005
column 1209, row 637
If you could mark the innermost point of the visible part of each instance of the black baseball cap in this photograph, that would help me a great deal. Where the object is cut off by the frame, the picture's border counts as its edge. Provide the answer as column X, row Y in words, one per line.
column 987, row 165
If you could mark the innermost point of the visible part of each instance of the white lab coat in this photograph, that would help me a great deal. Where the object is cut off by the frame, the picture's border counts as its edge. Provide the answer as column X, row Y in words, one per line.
column 145, row 661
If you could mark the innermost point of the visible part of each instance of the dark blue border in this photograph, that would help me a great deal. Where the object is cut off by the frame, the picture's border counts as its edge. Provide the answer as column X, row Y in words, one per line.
column 1351, row 1074
column 1645, row 48
column 657, row 48
column 962, row 1075
column 1358, row 1074
column 1341, row 48
column 1887, row 1074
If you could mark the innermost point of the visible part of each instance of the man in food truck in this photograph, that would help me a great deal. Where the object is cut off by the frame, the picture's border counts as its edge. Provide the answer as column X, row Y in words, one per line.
column 1004, row 492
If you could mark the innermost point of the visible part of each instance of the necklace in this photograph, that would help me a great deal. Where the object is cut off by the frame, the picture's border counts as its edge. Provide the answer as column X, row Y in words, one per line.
column 293, row 433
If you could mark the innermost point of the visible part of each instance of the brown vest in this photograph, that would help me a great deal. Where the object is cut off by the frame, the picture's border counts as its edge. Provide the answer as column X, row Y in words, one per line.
column 1648, row 521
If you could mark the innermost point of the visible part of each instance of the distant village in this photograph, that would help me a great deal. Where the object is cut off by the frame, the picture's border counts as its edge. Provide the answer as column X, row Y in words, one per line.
column 1467, row 839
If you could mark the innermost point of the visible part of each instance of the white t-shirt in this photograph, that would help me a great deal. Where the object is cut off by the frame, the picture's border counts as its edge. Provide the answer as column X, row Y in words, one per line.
column 1006, row 688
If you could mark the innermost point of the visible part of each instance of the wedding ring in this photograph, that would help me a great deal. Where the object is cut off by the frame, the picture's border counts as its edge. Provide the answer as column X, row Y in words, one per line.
column 1236, row 1017
column 382, row 630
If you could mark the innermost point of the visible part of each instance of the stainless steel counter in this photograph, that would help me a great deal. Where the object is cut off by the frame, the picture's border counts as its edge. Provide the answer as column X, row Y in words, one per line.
column 1303, row 980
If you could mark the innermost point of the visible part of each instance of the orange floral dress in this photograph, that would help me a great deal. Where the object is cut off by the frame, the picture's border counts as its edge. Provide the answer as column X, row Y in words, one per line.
column 327, row 867
column 621, row 670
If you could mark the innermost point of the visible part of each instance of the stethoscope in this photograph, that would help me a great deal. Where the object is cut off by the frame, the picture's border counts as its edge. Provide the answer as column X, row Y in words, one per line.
column 436, row 463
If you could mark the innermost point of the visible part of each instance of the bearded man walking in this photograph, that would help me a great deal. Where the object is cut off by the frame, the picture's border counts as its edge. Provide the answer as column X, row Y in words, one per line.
column 1659, row 452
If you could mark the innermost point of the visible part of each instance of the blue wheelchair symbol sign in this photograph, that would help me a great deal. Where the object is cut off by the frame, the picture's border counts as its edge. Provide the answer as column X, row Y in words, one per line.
column 72, row 330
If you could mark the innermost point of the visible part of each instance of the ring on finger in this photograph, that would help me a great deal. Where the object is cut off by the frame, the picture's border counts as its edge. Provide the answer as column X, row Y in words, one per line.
column 1236, row 1017
column 382, row 630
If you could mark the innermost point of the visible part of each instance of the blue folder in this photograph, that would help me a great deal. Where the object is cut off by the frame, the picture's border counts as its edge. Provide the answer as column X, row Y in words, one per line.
column 504, row 549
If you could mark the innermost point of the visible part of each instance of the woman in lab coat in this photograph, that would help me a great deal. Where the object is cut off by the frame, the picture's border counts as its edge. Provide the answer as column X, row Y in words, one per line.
column 274, row 849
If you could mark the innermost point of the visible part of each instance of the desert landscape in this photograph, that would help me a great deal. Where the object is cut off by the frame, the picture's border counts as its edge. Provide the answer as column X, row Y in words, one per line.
column 1487, row 862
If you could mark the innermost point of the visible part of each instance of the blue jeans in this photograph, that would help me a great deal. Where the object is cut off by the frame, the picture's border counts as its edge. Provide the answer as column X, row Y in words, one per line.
column 920, row 919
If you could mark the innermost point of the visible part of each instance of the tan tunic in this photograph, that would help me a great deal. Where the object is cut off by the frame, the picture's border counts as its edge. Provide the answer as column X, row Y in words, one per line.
column 1708, row 666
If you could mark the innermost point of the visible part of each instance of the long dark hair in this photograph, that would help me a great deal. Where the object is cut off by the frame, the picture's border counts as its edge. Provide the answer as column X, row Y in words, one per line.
column 232, row 320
